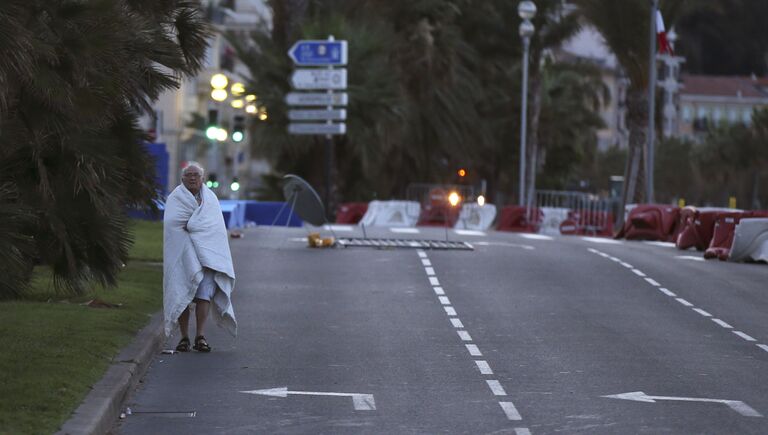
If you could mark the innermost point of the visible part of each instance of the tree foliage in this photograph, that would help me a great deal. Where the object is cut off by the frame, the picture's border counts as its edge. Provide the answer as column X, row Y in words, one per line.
column 434, row 85
column 74, row 78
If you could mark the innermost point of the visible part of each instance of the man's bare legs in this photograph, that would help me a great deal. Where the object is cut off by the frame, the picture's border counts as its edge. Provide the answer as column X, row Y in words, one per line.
column 202, row 308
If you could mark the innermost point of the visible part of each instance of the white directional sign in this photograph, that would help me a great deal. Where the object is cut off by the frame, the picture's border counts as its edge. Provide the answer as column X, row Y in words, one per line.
column 361, row 402
column 319, row 78
column 736, row 405
column 317, row 115
column 296, row 128
column 317, row 99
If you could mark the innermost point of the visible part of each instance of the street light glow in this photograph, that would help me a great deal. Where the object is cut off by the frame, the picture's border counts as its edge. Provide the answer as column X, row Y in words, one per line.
column 221, row 135
column 238, row 89
column 237, row 104
column 219, row 81
column 263, row 114
column 211, row 132
column 454, row 199
column 219, row 94
column 251, row 108
column 250, row 98
column 480, row 200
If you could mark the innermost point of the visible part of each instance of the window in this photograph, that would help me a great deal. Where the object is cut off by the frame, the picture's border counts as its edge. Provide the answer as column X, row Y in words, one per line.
column 702, row 112
column 733, row 115
column 687, row 113
column 746, row 115
column 717, row 114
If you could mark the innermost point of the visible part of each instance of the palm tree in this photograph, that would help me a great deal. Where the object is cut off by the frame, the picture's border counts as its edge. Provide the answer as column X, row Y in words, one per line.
column 625, row 26
column 70, row 146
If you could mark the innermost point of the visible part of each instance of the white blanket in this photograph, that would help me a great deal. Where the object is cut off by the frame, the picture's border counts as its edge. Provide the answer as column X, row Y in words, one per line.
column 195, row 237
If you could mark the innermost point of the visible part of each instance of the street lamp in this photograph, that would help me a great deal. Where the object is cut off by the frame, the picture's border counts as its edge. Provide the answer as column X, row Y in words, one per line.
column 526, row 10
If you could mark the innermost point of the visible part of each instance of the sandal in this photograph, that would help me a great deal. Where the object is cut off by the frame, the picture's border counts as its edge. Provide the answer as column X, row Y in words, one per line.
column 201, row 345
column 183, row 345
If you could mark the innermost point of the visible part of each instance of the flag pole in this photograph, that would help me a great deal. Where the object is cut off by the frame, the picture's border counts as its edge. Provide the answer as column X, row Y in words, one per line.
column 649, row 155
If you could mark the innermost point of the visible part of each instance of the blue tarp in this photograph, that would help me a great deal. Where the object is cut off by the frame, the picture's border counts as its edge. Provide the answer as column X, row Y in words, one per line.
column 264, row 213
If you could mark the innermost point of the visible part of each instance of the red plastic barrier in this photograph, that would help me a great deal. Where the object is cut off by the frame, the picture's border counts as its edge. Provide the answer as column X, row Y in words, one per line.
column 724, row 230
column 596, row 223
column 514, row 218
column 438, row 215
column 651, row 222
column 686, row 234
column 351, row 212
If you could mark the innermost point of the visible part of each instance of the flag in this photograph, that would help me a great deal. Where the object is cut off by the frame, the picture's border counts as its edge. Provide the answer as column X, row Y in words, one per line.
column 661, row 33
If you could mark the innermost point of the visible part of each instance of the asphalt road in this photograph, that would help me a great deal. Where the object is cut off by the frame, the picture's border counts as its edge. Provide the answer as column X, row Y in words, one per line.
column 521, row 335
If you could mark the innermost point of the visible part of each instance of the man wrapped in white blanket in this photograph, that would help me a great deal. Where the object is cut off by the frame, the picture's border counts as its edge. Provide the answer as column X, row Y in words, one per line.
column 197, row 263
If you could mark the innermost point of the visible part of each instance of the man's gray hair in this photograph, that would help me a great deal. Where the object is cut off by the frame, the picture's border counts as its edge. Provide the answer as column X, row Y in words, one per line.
column 191, row 165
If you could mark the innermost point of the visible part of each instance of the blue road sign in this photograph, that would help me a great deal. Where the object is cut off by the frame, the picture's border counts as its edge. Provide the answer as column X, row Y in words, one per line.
column 319, row 53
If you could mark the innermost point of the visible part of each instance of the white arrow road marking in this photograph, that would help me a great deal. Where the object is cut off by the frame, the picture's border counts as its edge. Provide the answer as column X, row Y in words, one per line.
column 361, row 402
column 737, row 405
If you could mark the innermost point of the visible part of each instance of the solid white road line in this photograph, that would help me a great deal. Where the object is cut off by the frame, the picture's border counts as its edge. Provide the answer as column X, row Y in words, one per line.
column 404, row 230
column 536, row 237
column 484, row 368
column 449, row 311
column 433, row 280
column 723, row 324
column 662, row 244
column 667, row 292
column 594, row 251
column 444, row 300
column 638, row 273
column 473, row 350
column 456, row 323
column 762, row 346
column 702, row 312
column 652, row 282
column 690, row 257
column 340, row 228
column 684, row 302
column 744, row 336
column 601, row 240
column 511, row 412
column 496, row 387
column 430, row 271
column 464, row 335
column 470, row 233
column 426, row 262
column 439, row 291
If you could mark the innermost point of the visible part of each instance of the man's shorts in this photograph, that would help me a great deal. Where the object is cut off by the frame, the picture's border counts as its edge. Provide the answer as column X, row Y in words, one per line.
column 207, row 286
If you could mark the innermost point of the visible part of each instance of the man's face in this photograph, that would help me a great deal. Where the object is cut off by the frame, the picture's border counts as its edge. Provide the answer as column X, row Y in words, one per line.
column 193, row 180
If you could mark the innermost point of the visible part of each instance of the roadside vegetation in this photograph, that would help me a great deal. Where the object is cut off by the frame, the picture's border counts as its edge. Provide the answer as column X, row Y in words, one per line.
column 55, row 349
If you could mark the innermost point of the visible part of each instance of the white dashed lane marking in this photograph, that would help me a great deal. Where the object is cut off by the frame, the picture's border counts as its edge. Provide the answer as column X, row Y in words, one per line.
column 536, row 237
column 496, row 387
column 723, row 324
column 744, row 336
column 510, row 411
column 473, row 350
column 484, row 368
column 682, row 301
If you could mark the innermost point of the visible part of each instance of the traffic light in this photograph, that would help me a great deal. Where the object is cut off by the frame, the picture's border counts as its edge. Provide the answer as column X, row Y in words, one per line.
column 235, row 186
column 462, row 173
column 212, row 127
column 212, row 182
column 238, row 128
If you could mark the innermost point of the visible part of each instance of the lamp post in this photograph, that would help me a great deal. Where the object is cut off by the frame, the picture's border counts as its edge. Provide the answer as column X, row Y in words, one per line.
column 526, row 10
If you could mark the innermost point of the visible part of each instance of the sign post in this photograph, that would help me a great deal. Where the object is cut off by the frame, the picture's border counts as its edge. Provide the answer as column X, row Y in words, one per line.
column 319, row 53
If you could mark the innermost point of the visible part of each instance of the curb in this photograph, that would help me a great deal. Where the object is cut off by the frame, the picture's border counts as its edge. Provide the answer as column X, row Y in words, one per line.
column 101, row 408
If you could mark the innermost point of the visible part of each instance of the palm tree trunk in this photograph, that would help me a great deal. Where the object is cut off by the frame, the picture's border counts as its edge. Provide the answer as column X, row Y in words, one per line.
column 637, row 123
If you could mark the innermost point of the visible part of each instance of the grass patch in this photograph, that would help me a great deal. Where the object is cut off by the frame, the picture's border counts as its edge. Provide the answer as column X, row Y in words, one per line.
column 54, row 351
